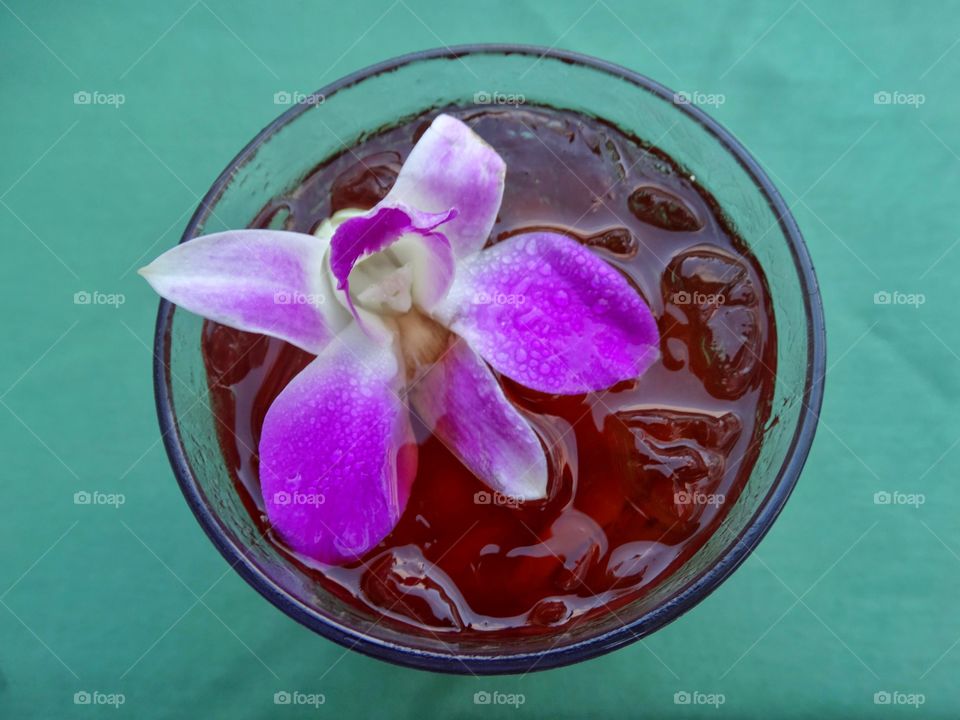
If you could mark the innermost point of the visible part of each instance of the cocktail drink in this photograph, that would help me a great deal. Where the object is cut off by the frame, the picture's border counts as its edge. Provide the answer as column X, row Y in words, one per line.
column 489, row 382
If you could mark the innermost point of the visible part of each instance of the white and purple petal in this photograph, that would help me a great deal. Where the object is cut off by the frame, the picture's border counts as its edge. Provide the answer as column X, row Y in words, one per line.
column 337, row 454
column 550, row 314
column 373, row 231
column 453, row 167
column 461, row 401
column 432, row 266
column 265, row 281
column 395, row 255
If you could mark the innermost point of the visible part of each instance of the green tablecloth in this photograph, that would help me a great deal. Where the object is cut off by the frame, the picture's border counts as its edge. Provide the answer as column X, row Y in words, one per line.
column 844, row 599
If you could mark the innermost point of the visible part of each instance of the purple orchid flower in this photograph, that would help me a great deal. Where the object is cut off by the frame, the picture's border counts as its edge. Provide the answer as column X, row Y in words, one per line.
column 405, row 310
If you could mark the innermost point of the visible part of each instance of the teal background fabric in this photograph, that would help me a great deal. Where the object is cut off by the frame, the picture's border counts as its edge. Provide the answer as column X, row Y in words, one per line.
column 847, row 597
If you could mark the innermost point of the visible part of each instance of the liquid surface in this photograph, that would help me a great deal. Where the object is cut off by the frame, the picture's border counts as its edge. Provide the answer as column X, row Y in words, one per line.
column 642, row 473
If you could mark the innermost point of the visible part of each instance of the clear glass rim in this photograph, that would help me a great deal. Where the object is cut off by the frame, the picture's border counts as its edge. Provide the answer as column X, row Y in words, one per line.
column 737, row 550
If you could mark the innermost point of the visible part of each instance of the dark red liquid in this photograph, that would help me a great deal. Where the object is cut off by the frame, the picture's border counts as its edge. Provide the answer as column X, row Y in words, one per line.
column 643, row 472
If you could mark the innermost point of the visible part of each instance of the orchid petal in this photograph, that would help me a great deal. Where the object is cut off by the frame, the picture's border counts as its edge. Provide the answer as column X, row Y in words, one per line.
column 453, row 167
column 548, row 313
column 264, row 281
column 373, row 325
column 337, row 454
column 461, row 401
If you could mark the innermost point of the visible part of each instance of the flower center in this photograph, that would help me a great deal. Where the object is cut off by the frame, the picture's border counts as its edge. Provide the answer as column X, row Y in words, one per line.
column 381, row 283
column 422, row 341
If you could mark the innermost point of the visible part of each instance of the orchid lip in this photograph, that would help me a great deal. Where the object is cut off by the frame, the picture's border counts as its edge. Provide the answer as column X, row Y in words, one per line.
column 385, row 260
column 407, row 333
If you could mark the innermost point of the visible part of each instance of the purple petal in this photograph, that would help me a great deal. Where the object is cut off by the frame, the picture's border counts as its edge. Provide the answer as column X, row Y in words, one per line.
column 453, row 167
column 264, row 281
column 337, row 454
column 548, row 313
column 461, row 401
